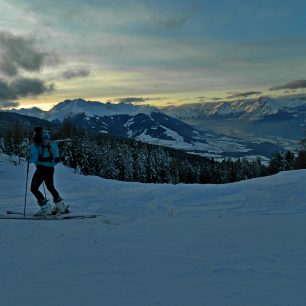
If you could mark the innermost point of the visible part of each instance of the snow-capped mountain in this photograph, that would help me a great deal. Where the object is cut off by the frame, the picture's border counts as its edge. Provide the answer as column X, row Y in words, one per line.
column 149, row 124
column 252, row 109
column 32, row 112
column 281, row 121
column 70, row 108
column 92, row 108
column 158, row 128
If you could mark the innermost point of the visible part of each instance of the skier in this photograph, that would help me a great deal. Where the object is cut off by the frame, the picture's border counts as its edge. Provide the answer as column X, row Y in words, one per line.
column 45, row 155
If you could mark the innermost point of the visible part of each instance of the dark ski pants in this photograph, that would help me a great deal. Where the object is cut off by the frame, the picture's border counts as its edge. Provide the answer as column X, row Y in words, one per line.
column 43, row 174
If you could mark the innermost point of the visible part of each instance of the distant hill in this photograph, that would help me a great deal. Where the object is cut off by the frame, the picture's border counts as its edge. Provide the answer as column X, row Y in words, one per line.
column 8, row 119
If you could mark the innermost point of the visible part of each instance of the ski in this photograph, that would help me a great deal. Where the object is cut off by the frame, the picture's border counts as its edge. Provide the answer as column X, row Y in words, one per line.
column 20, row 216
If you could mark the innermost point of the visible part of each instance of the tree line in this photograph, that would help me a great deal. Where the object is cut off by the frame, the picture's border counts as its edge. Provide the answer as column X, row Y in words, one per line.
column 92, row 153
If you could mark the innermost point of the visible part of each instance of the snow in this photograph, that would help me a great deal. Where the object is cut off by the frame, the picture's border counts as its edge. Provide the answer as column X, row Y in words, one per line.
column 95, row 109
column 92, row 109
column 248, row 108
column 172, row 134
column 156, row 244
column 212, row 147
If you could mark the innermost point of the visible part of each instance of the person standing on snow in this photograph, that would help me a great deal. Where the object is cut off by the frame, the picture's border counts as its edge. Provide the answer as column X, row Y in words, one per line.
column 45, row 155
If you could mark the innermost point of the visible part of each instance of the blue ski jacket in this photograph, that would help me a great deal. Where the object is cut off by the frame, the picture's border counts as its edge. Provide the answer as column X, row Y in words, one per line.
column 46, row 154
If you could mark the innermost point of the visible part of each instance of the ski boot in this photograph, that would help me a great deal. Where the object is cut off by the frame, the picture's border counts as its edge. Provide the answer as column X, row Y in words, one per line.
column 60, row 207
column 45, row 208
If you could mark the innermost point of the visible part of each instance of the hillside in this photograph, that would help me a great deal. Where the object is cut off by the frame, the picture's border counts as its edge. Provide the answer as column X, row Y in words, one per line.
column 8, row 119
column 157, row 244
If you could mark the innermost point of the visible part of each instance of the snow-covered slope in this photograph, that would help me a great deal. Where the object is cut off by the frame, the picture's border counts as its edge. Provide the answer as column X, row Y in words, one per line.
column 160, row 129
column 176, row 245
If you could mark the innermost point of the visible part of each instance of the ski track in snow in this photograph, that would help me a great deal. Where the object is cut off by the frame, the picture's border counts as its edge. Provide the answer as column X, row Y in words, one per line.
column 156, row 244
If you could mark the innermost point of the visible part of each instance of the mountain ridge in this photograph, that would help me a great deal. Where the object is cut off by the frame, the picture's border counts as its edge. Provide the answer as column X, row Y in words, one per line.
column 252, row 109
column 151, row 125
column 69, row 107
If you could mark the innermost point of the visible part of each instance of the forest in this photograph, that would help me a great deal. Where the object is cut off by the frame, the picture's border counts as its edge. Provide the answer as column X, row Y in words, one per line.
column 92, row 153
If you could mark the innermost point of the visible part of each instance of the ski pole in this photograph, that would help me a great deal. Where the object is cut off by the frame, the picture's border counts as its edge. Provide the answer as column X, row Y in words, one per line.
column 44, row 190
column 26, row 191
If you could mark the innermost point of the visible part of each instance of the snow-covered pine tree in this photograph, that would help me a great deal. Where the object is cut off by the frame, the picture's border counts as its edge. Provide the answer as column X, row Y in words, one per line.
column 124, row 162
column 140, row 160
column 108, row 167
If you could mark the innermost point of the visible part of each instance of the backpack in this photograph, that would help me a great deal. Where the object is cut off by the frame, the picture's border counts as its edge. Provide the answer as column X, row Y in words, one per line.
column 47, row 144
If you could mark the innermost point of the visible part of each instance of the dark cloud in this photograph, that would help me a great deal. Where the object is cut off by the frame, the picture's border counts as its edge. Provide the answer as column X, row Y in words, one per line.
column 5, row 105
column 20, row 52
column 292, row 85
column 6, row 94
column 80, row 72
column 8, row 68
column 216, row 99
column 131, row 99
column 138, row 99
column 20, row 88
column 24, row 87
column 244, row 94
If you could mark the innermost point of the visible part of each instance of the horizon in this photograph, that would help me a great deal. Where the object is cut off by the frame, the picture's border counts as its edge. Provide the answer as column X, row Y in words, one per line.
column 48, row 107
column 162, row 53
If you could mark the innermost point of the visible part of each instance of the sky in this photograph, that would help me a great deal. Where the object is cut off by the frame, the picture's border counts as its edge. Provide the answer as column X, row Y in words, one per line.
column 158, row 52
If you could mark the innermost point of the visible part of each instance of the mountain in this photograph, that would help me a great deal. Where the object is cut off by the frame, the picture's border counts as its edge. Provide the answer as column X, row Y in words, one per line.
column 70, row 108
column 252, row 109
column 151, row 125
column 32, row 112
column 278, row 120
column 9, row 118
column 160, row 129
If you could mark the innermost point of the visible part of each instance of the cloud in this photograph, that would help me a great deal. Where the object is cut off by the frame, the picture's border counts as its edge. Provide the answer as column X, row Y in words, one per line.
column 20, row 53
column 131, row 99
column 24, row 87
column 20, row 88
column 6, row 94
column 170, row 22
column 80, row 72
column 138, row 99
column 291, row 85
column 7, row 68
column 5, row 105
column 244, row 94
column 176, row 16
column 216, row 99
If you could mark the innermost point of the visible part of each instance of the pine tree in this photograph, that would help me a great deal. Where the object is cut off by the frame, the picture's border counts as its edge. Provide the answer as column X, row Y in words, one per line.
column 140, row 160
column 276, row 164
column 300, row 160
